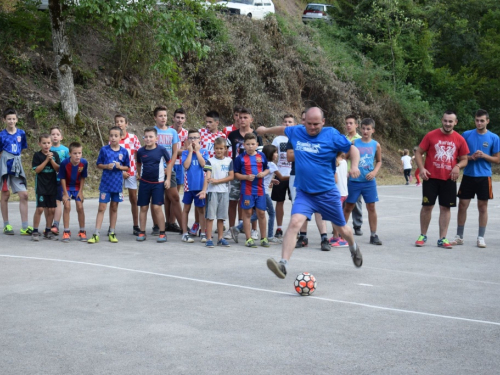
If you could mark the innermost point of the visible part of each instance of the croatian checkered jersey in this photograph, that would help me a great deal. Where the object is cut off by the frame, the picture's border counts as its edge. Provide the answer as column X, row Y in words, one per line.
column 132, row 145
column 208, row 139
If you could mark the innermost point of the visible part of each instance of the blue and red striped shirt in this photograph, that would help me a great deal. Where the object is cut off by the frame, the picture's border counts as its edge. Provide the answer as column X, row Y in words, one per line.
column 246, row 164
column 73, row 173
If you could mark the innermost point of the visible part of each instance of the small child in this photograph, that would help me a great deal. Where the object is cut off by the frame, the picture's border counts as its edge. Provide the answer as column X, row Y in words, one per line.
column 12, row 143
column 193, row 161
column 72, row 174
column 46, row 165
column 219, row 171
column 251, row 168
column 63, row 152
column 341, row 182
column 406, row 161
column 370, row 161
column 131, row 143
column 154, row 171
column 113, row 160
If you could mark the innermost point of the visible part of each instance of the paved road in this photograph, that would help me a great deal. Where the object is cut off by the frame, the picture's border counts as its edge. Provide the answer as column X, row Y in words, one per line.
column 148, row 308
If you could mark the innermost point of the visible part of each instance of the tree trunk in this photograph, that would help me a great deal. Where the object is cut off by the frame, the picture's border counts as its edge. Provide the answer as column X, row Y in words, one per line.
column 63, row 60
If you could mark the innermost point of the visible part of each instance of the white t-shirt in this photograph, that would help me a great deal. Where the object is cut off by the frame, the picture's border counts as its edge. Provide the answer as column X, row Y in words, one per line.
column 220, row 168
column 267, row 180
column 341, row 172
column 406, row 162
column 283, row 165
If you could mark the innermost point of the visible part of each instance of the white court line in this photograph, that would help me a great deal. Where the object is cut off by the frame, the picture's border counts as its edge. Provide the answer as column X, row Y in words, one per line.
column 365, row 284
column 256, row 289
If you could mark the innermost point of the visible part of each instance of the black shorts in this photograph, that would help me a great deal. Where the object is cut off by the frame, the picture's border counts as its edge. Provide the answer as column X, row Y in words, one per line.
column 46, row 201
column 446, row 190
column 279, row 191
column 472, row 186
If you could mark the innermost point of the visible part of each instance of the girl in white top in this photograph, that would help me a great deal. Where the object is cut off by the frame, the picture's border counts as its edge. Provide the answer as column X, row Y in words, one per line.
column 406, row 162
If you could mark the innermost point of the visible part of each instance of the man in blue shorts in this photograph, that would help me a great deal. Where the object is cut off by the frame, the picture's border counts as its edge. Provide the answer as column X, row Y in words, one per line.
column 315, row 149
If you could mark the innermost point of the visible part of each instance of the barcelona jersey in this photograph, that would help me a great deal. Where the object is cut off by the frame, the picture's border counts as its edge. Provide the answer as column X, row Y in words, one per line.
column 247, row 165
column 73, row 173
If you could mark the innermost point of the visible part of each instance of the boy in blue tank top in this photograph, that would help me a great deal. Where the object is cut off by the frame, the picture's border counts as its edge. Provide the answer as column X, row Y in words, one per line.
column 370, row 161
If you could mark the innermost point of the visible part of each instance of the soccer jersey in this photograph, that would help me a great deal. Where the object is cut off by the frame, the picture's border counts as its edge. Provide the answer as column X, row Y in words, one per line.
column 153, row 163
column 194, row 175
column 220, row 169
column 62, row 151
column 237, row 143
column 167, row 138
column 316, row 155
column 284, row 166
column 131, row 144
column 246, row 165
column 442, row 152
column 489, row 144
column 13, row 143
column 112, row 179
column 208, row 138
column 228, row 129
column 46, row 180
column 367, row 152
column 183, row 136
column 267, row 180
column 73, row 173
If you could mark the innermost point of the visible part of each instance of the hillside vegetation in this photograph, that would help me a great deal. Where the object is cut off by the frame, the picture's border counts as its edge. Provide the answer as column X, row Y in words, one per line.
column 400, row 62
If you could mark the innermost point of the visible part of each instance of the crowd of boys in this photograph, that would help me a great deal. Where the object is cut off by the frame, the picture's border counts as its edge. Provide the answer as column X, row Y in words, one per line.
column 225, row 174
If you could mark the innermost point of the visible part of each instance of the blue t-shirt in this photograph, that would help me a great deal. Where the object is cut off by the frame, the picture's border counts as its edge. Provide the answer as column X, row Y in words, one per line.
column 72, row 173
column 488, row 143
column 167, row 138
column 112, row 179
column 62, row 151
column 194, row 176
column 153, row 163
column 367, row 153
column 246, row 164
column 315, row 157
column 13, row 143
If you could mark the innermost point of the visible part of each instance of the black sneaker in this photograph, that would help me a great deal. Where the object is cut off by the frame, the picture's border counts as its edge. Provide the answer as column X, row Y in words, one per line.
column 325, row 245
column 278, row 269
column 358, row 231
column 374, row 240
column 48, row 235
column 136, row 231
column 302, row 242
column 155, row 231
column 173, row 227
column 357, row 257
column 279, row 233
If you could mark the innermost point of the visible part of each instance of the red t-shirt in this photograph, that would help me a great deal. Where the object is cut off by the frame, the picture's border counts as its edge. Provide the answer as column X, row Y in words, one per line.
column 443, row 151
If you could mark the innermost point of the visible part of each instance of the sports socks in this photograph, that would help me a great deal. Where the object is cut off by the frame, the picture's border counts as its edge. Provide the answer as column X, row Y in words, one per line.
column 481, row 231
column 324, row 237
column 460, row 231
column 353, row 247
column 56, row 223
column 25, row 224
column 5, row 223
column 111, row 230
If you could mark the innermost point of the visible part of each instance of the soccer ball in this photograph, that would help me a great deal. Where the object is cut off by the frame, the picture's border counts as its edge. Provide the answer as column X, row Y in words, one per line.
column 305, row 284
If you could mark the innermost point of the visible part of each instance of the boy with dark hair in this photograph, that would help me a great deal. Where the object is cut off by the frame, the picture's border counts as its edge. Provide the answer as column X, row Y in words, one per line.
column 251, row 168
column 152, row 167
column 131, row 143
column 177, row 124
column 12, row 142
column 235, row 125
column 72, row 173
column 370, row 161
column 351, row 126
column 113, row 160
column 46, row 165
column 63, row 152
column 193, row 160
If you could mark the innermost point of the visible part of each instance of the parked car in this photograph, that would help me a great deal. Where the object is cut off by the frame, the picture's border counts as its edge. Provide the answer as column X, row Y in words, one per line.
column 314, row 12
column 257, row 9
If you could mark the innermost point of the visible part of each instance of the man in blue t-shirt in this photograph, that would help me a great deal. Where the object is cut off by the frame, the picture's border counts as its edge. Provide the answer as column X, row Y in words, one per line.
column 484, row 147
column 315, row 149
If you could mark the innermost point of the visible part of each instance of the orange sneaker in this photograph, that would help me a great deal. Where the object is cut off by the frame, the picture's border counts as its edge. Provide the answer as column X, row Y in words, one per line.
column 82, row 236
column 66, row 237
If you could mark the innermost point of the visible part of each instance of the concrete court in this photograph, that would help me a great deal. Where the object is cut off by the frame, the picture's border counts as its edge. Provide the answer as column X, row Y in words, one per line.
column 148, row 308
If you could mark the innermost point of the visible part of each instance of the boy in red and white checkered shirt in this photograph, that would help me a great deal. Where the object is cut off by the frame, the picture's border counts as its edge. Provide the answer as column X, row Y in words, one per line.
column 211, row 132
column 131, row 143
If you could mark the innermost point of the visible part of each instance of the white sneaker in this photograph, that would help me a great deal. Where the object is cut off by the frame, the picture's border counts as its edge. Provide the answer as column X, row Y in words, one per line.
column 457, row 241
column 480, row 242
column 227, row 235
column 275, row 241
column 254, row 234
column 187, row 238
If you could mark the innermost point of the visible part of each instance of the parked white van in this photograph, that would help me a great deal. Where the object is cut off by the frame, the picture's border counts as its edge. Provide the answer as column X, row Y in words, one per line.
column 257, row 9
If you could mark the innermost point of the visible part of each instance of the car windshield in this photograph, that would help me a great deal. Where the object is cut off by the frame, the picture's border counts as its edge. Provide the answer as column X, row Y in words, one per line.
column 315, row 7
column 247, row 2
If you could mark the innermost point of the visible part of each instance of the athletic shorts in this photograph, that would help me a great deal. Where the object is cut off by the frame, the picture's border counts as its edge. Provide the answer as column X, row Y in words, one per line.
column 46, row 201
column 446, row 190
column 217, row 206
column 190, row 196
column 279, row 191
column 173, row 179
column 59, row 191
column 179, row 174
column 130, row 183
column 150, row 193
column 248, row 202
column 113, row 197
column 326, row 203
column 475, row 186
column 366, row 189
column 73, row 194
column 234, row 190
column 17, row 184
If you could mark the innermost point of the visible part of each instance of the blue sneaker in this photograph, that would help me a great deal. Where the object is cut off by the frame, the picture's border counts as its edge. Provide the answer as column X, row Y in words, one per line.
column 209, row 243
column 223, row 242
column 141, row 236
column 162, row 238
